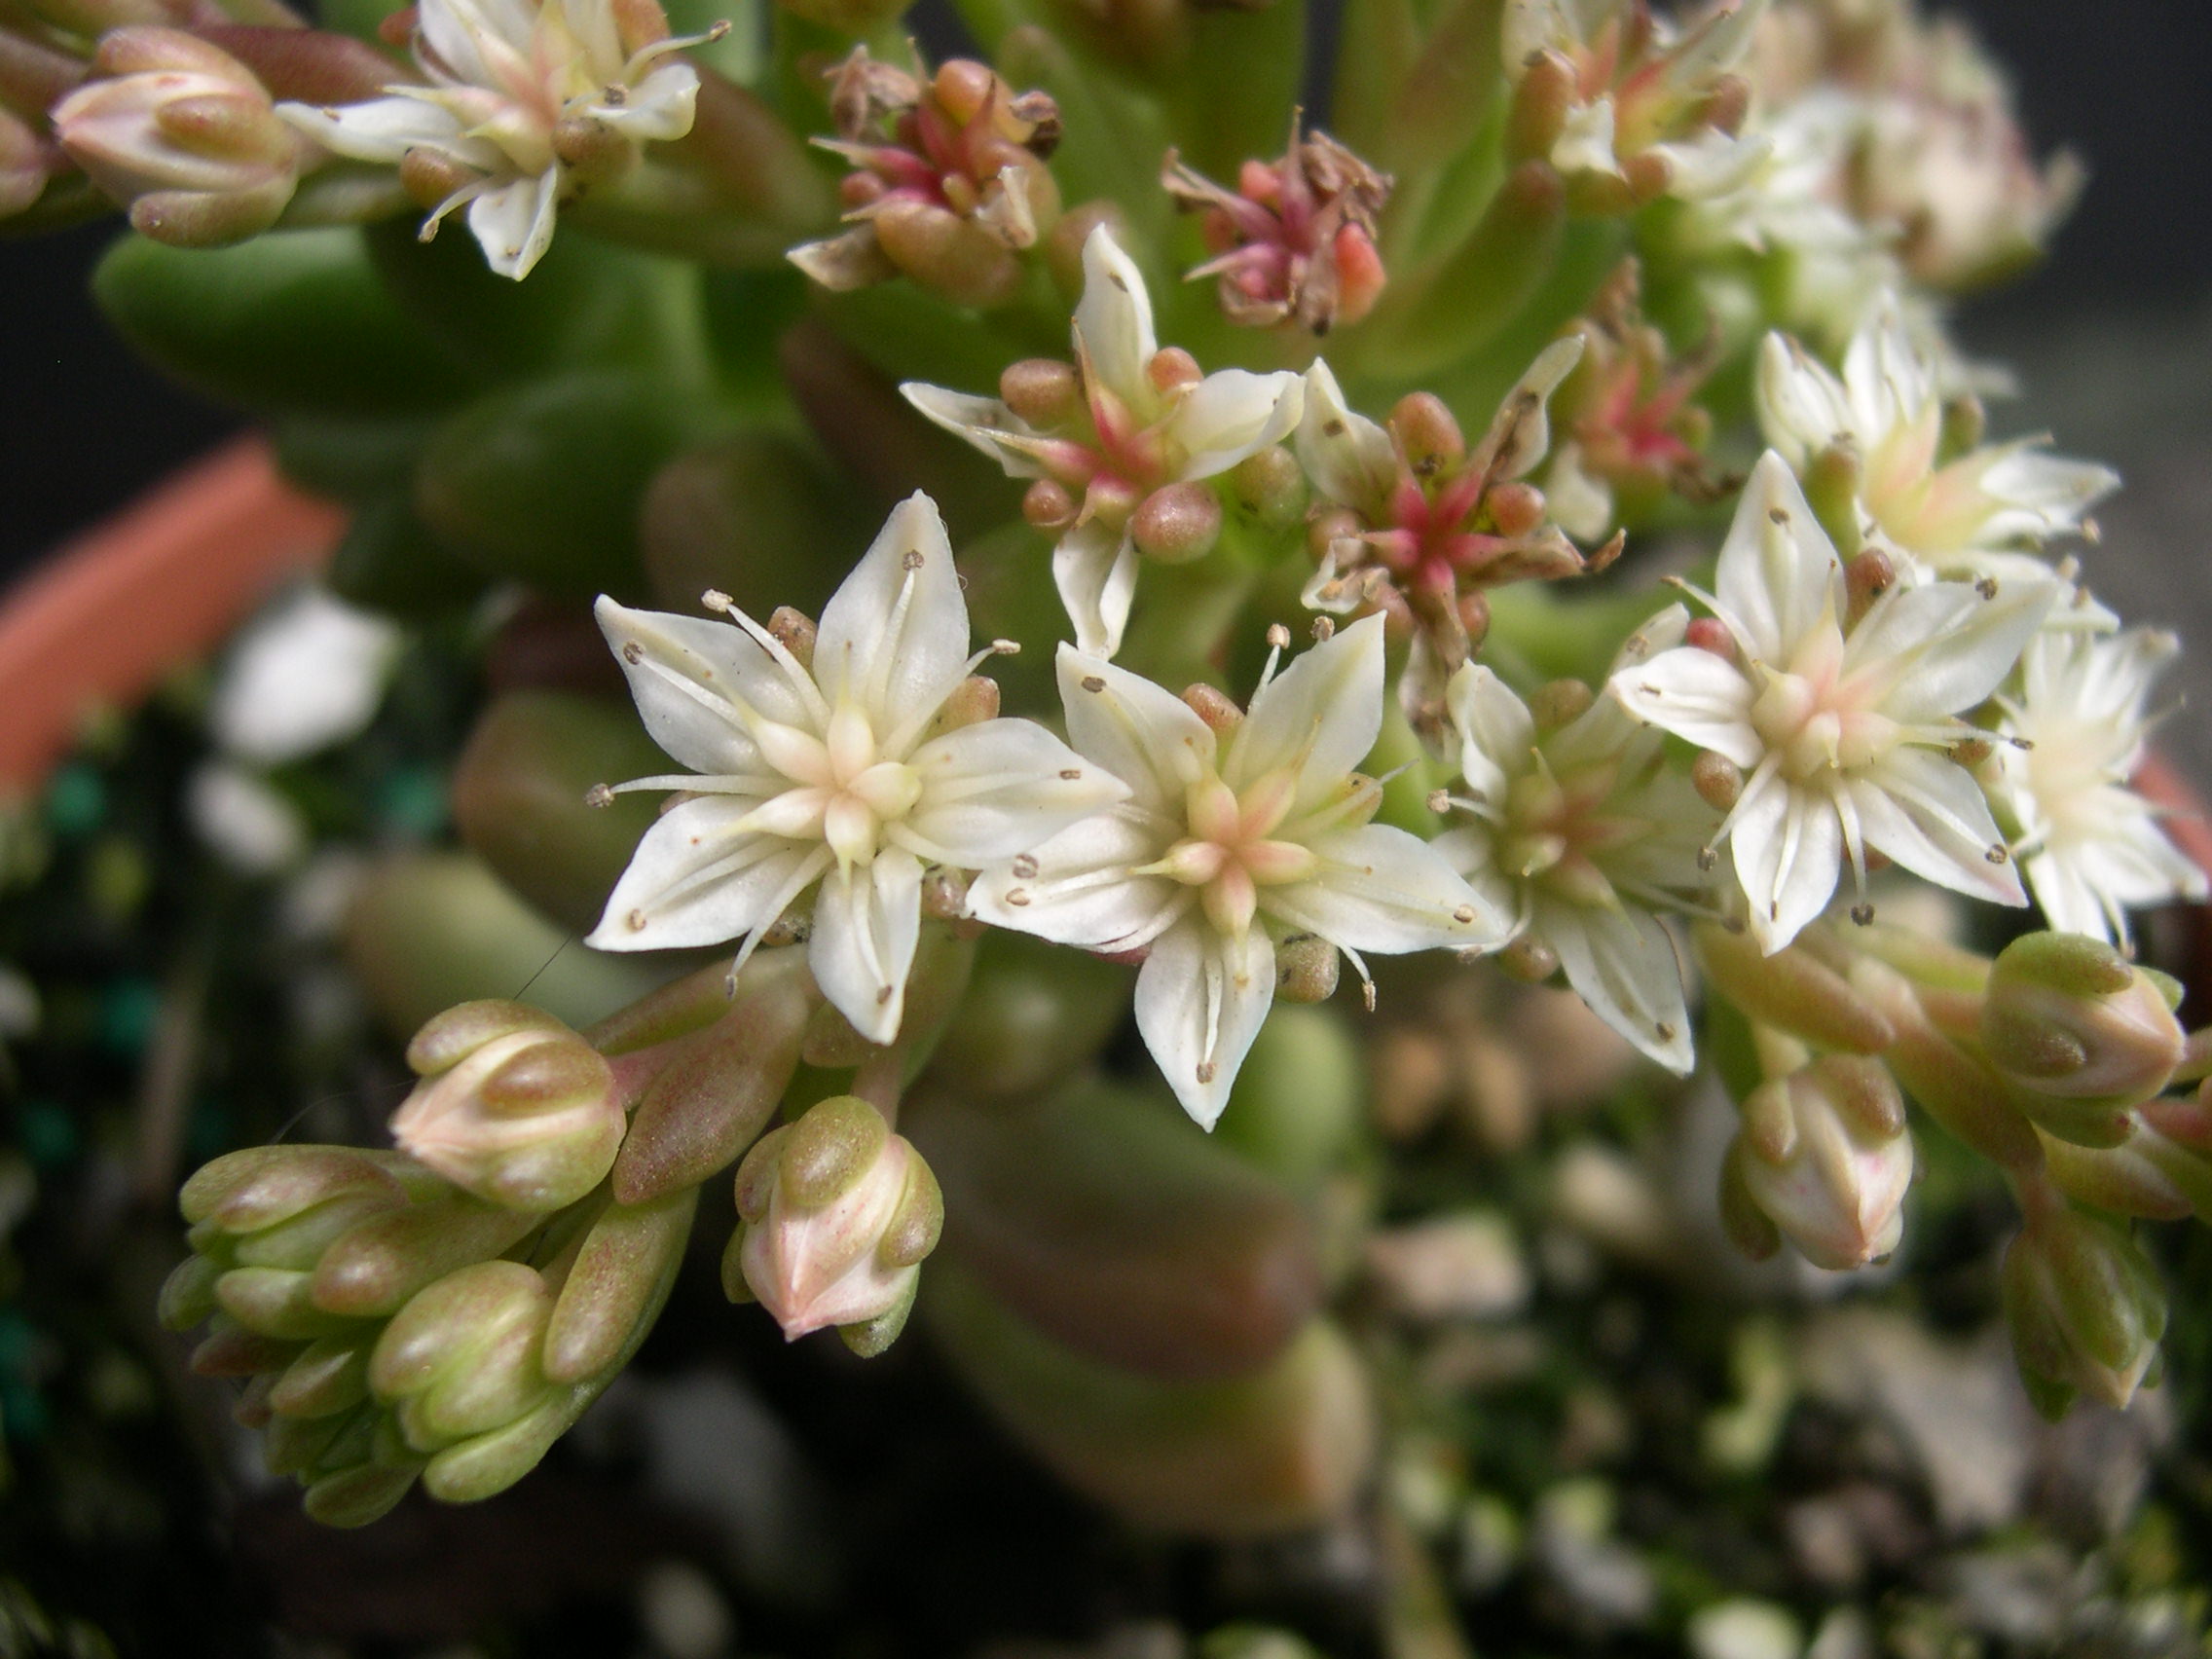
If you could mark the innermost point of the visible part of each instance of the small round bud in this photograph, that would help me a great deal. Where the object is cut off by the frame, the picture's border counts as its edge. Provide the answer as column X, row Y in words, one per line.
column 1271, row 486
column 1717, row 780
column 1824, row 1153
column 1049, row 507
column 1866, row 578
column 1428, row 434
column 521, row 1112
column 1214, row 707
column 2069, row 1018
column 1306, row 970
column 1042, row 391
column 1177, row 523
column 1516, row 508
column 837, row 1213
column 1559, row 702
column 1172, row 369
column 2085, row 1308
column 1710, row 634
column 1529, row 959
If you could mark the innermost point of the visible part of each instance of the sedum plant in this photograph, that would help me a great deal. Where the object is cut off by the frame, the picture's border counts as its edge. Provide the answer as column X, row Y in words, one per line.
column 1499, row 505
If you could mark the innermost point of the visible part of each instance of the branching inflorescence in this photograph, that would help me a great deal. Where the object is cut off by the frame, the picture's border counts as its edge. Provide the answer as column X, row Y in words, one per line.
column 1478, row 726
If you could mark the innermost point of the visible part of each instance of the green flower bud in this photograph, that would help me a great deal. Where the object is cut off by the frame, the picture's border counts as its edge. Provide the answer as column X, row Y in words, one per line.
column 463, row 1358
column 622, row 1275
column 513, row 1107
column 836, row 1215
column 2085, row 1306
column 2081, row 1031
column 1824, row 1155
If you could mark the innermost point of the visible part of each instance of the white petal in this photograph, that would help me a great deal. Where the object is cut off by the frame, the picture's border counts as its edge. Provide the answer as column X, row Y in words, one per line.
column 2070, row 903
column 1522, row 429
column 1697, row 696
column 1496, row 734
column 1231, row 414
column 1622, row 963
column 658, row 108
column 378, row 129
column 697, row 879
column 1972, row 649
column 1114, row 321
column 1787, row 844
column 1778, row 570
column 1926, row 812
column 685, row 673
column 1078, row 889
column 1585, row 143
column 1319, row 717
column 1471, row 850
column 999, row 787
column 894, row 637
column 1801, row 407
column 513, row 223
column 1094, row 569
column 1142, row 733
column 1202, row 999
column 866, row 924
column 1385, row 891
column 1348, row 458
column 984, row 421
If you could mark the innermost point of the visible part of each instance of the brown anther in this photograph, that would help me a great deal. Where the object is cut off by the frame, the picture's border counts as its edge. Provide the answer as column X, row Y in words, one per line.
column 1278, row 637
column 1439, row 801
column 1986, row 587
column 1863, row 915
column 945, row 894
column 794, row 631
column 1998, row 855
column 599, row 795
column 1971, row 751
column 1216, row 708
column 1324, row 629
column 1092, row 683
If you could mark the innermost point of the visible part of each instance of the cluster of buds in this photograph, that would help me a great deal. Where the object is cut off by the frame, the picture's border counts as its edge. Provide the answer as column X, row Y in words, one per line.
column 1633, row 431
column 1415, row 525
column 388, row 1326
column 1294, row 242
column 184, row 135
column 948, row 186
column 835, row 1213
column 1627, row 107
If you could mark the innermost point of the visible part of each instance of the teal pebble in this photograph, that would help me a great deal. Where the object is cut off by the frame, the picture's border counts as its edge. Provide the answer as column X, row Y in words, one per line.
column 47, row 1134
column 128, row 1009
column 413, row 802
column 76, row 800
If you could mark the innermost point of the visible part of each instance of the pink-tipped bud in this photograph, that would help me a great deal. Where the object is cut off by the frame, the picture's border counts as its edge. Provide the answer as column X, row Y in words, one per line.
column 182, row 135
column 1823, row 1153
column 1271, row 486
column 836, row 1213
column 2072, row 1021
column 513, row 1106
column 1428, row 434
column 2085, row 1306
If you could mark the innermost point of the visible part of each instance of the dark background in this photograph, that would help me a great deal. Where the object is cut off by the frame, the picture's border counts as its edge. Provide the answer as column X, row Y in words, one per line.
column 2127, row 83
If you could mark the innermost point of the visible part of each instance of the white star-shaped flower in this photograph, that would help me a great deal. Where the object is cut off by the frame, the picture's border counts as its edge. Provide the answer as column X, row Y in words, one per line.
column 838, row 773
column 1971, row 516
column 1841, row 734
column 2091, row 847
column 1147, row 420
column 1584, row 835
column 1226, row 845
column 527, row 100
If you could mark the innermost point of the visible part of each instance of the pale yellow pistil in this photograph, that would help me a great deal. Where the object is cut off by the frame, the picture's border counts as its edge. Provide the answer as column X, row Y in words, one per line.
column 1818, row 721
column 1230, row 853
column 848, row 790
column 1552, row 827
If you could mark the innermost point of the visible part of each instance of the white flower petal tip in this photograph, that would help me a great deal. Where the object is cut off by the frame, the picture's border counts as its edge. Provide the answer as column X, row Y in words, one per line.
column 1224, row 847
column 843, row 772
column 1584, row 835
column 1845, row 737
column 1145, row 420
column 504, row 77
